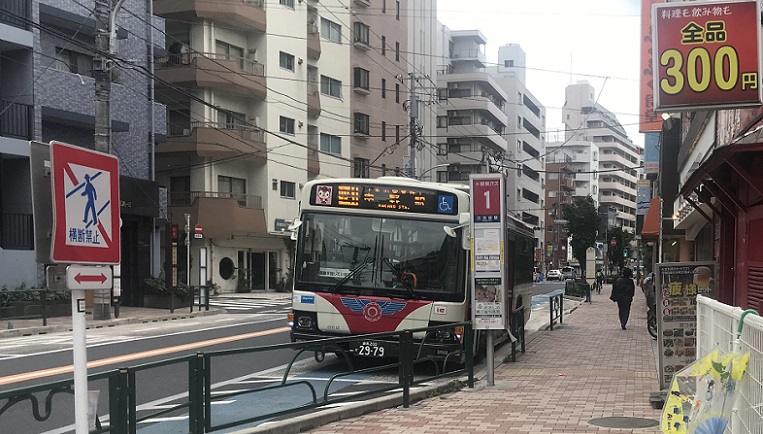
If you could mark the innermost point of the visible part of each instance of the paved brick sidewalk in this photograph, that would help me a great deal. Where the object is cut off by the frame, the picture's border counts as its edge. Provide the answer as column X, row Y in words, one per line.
column 587, row 368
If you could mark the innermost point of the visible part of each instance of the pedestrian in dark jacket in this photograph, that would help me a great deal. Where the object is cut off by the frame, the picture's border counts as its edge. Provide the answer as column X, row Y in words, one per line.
column 623, row 291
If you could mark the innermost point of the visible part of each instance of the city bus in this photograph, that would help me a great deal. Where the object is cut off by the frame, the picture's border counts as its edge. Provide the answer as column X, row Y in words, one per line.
column 388, row 254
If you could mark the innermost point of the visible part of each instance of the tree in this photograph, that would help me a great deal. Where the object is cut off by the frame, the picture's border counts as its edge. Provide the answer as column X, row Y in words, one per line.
column 580, row 215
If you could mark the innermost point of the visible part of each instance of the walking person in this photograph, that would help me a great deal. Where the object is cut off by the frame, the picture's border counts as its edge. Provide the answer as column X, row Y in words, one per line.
column 623, row 291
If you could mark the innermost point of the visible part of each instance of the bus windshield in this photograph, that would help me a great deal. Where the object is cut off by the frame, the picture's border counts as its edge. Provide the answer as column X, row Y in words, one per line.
column 398, row 257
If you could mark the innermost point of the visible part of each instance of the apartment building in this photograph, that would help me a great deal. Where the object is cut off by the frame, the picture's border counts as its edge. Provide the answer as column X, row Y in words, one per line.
column 380, row 87
column 525, row 137
column 560, row 188
column 258, row 104
column 619, row 158
column 47, row 93
column 583, row 158
column 471, row 121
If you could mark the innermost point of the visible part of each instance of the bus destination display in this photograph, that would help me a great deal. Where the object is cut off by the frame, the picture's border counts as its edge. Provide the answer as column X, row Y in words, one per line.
column 384, row 197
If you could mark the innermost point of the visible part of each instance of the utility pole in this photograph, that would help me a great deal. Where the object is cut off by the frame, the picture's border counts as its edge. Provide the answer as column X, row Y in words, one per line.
column 105, row 42
column 413, row 111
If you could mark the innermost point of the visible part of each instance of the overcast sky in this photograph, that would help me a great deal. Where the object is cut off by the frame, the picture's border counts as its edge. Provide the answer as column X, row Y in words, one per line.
column 565, row 41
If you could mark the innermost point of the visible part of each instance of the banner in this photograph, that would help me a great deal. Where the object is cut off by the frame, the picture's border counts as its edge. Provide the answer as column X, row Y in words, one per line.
column 649, row 120
column 676, row 287
column 706, row 55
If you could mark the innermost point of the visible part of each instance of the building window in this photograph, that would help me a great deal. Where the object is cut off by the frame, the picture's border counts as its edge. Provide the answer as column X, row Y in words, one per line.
column 397, row 92
column 74, row 62
column 360, row 79
column 553, row 176
column 442, row 149
column 361, row 33
column 231, row 52
column 360, row 168
column 508, row 63
column 397, row 133
column 397, row 51
column 362, row 123
column 331, row 30
column 442, row 176
column 384, row 131
column 384, row 46
column 287, row 3
column 442, row 122
column 231, row 120
column 384, row 88
column 331, row 144
column 331, row 87
column 287, row 189
column 286, row 125
column 286, row 61
column 232, row 187
column 384, row 6
column 397, row 10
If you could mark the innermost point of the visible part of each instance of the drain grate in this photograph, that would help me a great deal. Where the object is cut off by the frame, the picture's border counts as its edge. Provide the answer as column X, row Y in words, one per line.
column 624, row 422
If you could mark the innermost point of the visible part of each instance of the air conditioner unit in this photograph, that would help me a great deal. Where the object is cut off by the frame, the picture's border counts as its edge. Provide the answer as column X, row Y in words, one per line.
column 186, row 131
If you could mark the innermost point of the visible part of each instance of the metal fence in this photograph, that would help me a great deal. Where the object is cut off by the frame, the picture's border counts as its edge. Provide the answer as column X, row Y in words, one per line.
column 16, row 231
column 732, row 329
column 555, row 309
column 122, row 413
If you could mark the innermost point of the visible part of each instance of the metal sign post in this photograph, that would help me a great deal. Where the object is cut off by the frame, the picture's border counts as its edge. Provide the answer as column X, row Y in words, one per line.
column 490, row 300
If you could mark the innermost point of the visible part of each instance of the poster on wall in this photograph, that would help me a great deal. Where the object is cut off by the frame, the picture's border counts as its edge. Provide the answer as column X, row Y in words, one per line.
column 677, row 286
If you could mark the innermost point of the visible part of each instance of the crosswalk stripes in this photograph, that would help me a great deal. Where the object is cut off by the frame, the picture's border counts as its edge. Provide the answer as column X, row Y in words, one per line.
column 238, row 304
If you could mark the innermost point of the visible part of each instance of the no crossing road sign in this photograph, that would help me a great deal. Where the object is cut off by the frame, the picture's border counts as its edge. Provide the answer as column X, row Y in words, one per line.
column 85, row 206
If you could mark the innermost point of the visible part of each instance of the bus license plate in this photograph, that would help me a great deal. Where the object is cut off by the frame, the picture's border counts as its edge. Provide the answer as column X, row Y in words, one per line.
column 369, row 349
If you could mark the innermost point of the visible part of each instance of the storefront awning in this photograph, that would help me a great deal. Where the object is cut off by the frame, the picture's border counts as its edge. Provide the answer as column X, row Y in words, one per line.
column 740, row 162
column 651, row 229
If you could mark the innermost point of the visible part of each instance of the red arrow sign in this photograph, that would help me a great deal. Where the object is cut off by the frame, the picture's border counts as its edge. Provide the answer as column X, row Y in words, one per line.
column 99, row 278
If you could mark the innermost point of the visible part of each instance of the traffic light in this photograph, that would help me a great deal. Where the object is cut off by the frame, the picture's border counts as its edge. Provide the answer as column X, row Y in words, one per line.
column 625, row 253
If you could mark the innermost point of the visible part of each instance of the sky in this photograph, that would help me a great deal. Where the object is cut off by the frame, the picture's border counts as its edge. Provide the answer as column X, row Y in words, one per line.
column 565, row 41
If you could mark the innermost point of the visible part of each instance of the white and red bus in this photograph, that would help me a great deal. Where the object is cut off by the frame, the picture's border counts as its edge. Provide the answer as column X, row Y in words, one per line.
column 374, row 255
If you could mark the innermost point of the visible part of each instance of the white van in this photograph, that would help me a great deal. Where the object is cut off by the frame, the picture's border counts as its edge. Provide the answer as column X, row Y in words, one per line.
column 568, row 272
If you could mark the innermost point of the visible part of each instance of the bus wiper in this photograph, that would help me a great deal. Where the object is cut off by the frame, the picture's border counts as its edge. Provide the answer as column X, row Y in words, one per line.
column 351, row 274
column 388, row 262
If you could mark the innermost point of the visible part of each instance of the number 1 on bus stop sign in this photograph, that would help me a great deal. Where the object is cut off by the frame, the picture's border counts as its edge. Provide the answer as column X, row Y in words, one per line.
column 486, row 200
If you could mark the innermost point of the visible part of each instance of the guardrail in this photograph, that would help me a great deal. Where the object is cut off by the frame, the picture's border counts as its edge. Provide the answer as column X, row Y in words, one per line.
column 517, row 326
column 732, row 329
column 124, row 413
column 33, row 304
column 555, row 309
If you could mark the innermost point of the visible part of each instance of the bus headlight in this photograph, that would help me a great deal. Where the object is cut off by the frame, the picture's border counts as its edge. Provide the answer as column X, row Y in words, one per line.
column 305, row 321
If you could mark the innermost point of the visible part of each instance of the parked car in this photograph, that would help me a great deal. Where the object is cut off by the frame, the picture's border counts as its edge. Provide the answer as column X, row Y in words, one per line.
column 568, row 273
column 554, row 275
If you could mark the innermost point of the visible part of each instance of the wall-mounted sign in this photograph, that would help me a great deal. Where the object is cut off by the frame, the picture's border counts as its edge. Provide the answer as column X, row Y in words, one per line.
column 649, row 120
column 706, row 55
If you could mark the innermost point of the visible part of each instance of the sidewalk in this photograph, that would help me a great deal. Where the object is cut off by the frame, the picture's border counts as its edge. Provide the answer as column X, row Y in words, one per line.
column 586, row 368
column 127, row 315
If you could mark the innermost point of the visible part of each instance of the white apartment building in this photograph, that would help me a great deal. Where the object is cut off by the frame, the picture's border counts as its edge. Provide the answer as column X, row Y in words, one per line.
column 619, row 158
column 470, row 115
column 269, row 110
column 583, row 158
column 525, row 136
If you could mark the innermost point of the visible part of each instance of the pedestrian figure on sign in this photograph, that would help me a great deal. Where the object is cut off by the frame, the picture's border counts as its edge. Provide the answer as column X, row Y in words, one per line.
column 92, row 196
column 623, row 291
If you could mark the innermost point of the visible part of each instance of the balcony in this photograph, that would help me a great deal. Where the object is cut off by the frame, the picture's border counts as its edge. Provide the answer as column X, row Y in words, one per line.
column 474, row 56
column 222, row 215
column 240, row 14
column 215, row 140
column 313, row 42
column 16, row 120
column 478, row 103
column 567, row 183
column 464, row 127
column 313, row 101
column 364, row 3
column 16, row 8
column 16, row 232
column 214, row 71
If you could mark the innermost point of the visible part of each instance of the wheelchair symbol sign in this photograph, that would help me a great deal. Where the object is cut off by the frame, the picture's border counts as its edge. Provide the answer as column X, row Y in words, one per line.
column 445, row 204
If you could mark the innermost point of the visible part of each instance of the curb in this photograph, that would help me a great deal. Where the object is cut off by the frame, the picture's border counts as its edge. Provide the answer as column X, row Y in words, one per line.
column 39, row 330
